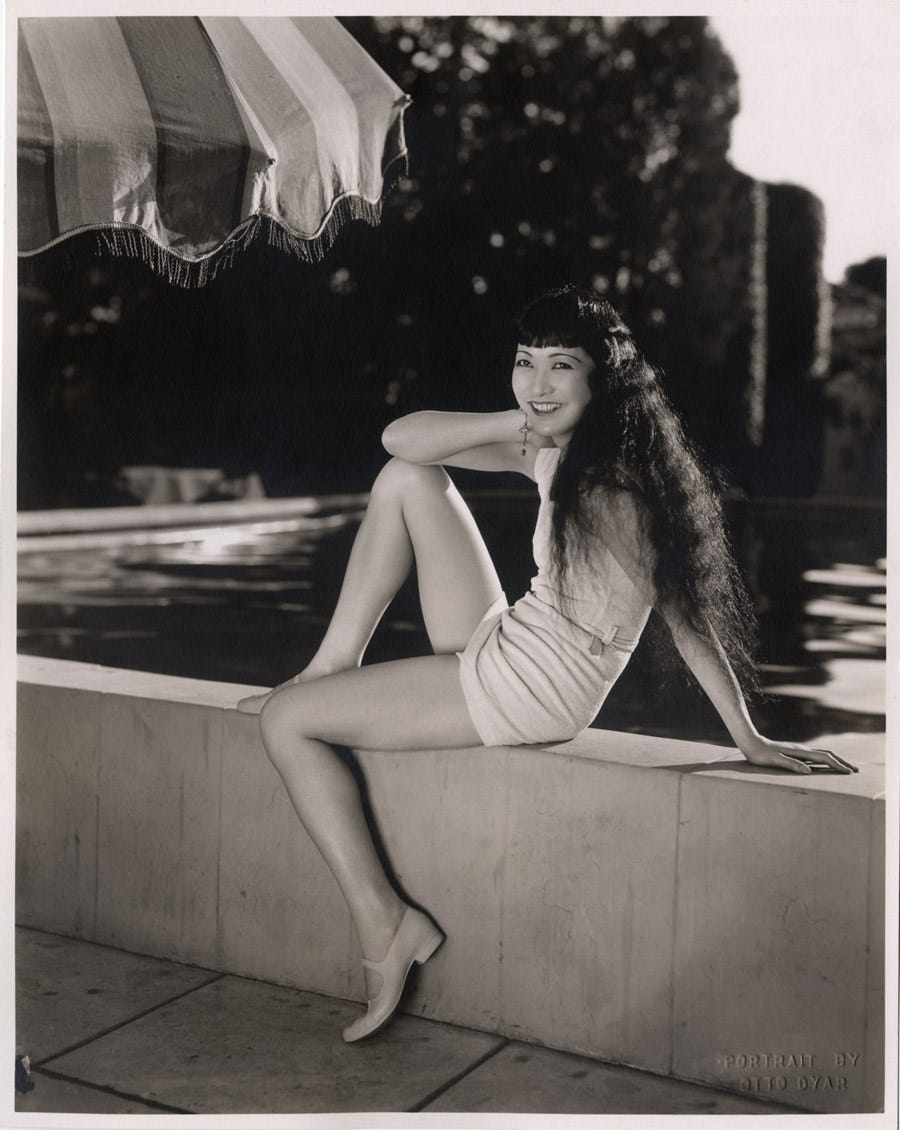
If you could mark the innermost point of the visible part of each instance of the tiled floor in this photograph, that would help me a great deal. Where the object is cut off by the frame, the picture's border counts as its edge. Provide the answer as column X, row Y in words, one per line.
column 116, row 1033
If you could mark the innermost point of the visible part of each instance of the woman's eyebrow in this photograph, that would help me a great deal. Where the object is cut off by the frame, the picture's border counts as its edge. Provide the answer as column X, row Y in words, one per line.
column 572, row 355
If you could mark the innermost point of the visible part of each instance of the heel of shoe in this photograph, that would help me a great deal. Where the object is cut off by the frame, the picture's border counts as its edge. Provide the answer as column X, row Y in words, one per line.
column 428, row 947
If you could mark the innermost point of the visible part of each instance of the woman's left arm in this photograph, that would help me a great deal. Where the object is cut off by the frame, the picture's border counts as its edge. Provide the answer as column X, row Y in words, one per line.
column 709, row 664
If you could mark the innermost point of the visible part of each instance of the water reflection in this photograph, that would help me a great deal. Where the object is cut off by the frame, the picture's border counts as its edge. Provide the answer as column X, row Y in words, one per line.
column 248, row 604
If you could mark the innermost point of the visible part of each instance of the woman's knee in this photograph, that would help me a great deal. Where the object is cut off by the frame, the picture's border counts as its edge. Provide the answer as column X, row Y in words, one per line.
column 400, row 477
column 279, row 723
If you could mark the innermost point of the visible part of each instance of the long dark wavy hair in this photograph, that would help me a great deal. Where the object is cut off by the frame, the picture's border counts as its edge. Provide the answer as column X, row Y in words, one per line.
column 629, row 438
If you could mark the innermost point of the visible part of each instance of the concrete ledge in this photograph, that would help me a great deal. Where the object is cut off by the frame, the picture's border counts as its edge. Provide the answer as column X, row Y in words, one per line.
column 655, row 903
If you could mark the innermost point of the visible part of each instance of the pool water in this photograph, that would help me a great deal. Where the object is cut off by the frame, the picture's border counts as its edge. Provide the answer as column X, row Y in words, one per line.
column 248, row 603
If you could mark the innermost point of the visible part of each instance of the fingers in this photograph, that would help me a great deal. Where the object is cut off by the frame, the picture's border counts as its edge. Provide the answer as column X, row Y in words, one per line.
column 837, row 763
column 806, row 757
column 791, row 763
column 797, row 758
column 827, row 758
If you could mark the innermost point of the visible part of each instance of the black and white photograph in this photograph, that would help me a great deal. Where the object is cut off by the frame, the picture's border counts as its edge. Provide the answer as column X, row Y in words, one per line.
column 448, row 674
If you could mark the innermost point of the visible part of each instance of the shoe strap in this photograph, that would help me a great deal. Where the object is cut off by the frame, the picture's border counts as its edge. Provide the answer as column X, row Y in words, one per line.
column 378, row 966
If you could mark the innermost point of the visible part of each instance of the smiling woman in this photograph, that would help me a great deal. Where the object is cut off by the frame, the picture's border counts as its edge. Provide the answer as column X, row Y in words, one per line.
column 627, row 522
column 552, row 385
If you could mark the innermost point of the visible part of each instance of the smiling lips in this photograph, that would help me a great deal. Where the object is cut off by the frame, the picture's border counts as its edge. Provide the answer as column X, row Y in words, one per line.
column 544, row 407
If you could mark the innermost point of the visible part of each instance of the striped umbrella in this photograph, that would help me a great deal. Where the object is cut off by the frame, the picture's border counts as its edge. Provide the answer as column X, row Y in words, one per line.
column 178, row 139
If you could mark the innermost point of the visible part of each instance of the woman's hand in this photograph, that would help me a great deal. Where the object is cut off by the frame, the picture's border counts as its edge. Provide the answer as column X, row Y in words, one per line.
column 713, row 672
column 795, row 758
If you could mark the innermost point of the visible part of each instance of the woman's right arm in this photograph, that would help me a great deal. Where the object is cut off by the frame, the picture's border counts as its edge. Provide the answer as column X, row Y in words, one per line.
column 480, row 441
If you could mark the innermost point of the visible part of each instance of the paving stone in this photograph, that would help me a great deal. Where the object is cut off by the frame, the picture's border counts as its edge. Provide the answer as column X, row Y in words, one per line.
column 240, row 1046
column 58, row 1095
column 68, row 991
column 524, row 1079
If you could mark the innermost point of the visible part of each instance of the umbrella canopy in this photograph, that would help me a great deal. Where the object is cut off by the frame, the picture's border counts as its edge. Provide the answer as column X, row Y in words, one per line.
column 179, row 138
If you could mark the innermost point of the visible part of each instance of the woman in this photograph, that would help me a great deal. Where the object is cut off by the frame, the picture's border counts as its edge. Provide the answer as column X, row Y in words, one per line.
column 628, row 521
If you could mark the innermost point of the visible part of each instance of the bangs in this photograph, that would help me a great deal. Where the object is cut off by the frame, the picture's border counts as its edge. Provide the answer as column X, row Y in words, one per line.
column 569, row 317
column 548, row 337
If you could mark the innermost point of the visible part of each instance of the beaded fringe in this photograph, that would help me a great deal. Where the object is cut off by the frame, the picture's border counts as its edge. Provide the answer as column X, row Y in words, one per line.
column 132, row 241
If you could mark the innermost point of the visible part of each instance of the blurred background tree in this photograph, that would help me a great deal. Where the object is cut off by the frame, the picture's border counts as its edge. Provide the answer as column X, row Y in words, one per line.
column 854, row 449
column 543, row 150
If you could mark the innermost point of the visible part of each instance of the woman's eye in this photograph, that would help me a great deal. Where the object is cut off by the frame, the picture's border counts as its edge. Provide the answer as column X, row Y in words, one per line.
column 562, row 365
column 522, row 363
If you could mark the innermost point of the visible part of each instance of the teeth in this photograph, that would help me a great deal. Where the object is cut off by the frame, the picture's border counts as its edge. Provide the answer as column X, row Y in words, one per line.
column 544, row 406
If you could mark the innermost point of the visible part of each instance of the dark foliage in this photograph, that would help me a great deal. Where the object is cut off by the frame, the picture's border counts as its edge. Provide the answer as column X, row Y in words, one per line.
column 796, row 343
column 544, row 150
column 871, row 275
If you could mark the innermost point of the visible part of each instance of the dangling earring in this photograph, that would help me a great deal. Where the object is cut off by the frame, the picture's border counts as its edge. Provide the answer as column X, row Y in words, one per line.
column 524, row 430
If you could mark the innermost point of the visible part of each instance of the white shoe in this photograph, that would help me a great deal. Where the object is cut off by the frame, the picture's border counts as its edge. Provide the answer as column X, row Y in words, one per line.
column 416, row 940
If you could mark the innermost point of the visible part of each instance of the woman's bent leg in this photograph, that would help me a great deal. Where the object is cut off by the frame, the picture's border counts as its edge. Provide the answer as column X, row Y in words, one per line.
column 415, row 514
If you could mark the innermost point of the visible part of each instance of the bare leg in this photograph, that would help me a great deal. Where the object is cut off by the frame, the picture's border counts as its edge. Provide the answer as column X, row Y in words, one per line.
column 414, row 514
column 380, row 707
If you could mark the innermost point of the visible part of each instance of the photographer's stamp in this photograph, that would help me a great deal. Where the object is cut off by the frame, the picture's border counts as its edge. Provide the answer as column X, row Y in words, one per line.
column 787, row 1073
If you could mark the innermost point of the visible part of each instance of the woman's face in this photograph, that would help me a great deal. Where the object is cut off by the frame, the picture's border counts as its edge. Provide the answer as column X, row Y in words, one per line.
column 552, row 388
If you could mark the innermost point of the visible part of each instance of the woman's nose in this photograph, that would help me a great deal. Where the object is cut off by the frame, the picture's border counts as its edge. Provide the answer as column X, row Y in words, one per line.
column 541, row 382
